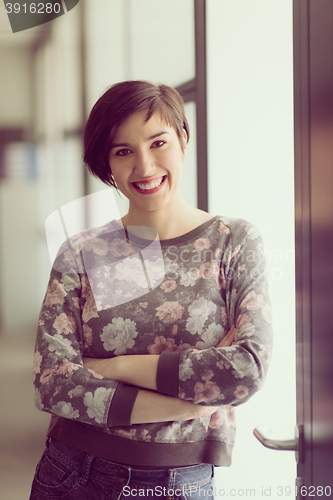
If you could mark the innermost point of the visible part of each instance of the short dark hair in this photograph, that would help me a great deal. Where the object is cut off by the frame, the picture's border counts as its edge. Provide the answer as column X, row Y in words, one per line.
column 118, row 103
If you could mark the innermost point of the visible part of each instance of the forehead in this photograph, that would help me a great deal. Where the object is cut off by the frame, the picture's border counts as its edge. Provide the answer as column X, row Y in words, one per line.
column 137, row 122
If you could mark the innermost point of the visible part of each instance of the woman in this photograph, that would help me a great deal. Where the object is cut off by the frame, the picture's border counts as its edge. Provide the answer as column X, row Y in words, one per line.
column 146, row 343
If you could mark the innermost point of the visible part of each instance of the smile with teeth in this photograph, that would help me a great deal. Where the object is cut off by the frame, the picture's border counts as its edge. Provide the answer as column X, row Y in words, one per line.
column 146, row 186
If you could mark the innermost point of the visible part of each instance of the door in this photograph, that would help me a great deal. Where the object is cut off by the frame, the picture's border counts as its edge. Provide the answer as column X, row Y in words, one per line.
column 313, row 111
column 313, row 80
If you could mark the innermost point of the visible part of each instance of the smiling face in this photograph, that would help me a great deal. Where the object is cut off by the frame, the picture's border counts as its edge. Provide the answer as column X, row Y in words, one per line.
column 146, row 162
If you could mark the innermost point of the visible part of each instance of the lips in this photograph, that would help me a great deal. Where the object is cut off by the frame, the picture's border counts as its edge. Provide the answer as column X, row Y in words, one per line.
column 151, row 186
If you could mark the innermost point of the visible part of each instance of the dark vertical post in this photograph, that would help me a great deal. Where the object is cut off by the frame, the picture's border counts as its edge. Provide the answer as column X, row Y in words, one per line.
column 83, row 79
column 201, row 101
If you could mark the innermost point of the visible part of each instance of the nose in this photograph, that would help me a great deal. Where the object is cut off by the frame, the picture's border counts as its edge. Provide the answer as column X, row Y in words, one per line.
column 144, row 164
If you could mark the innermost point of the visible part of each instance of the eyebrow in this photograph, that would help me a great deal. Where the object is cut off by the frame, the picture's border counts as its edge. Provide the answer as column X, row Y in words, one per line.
column 126, row 144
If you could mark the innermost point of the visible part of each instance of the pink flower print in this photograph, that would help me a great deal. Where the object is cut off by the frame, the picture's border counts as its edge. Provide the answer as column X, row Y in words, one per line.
column 222, row 364
column 241, row 322
column 223, row 228
column 252, row 301
column 208, row 269
column 97, row 245
column 76, row 301
column 46, row 376
column 68, row 369
column 181, row 393
column 235, row 252
column 267, row 313
column 94, row 374
column 85, row 286
column 55, row 294
column 168, row 285
column 143, row 305
column 224, row 317
column 64, row 324
column 174, row 329
column 89, row 308
column 36, row 366
column 125, row 434
column 208, row 376
column 201, row 244
column 220, row 279
column 161, row 344
column 119, row 247
column 241, row 391
column 217, row 419
column 70, row 259
column 169, row 312
column 87, row 333
column 183, row 347
column 145, row 435
column 240, row 269
column 207, row 393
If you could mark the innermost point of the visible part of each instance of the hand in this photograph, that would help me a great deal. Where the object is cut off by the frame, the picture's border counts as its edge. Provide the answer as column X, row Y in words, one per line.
column 229, row 338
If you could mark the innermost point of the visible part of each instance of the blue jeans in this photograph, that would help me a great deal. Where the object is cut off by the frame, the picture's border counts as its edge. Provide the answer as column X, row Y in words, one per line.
column 70, row 474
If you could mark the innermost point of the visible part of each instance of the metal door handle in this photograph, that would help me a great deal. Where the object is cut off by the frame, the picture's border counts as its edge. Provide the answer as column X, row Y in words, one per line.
column 277, row 444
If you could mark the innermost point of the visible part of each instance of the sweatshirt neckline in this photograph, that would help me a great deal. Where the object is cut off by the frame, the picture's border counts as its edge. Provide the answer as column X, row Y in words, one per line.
column 178, row 239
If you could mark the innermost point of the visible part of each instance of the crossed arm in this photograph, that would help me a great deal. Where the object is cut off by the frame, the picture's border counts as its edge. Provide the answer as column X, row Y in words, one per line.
column 140, row 370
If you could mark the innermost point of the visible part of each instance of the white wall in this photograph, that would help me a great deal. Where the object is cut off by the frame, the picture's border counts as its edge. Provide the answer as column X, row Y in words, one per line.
column 145, row 40
column 250, row 147
column 15, row 84
column 19, row 260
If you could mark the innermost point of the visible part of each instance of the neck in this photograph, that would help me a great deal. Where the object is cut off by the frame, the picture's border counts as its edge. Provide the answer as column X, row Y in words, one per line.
column 169, row 223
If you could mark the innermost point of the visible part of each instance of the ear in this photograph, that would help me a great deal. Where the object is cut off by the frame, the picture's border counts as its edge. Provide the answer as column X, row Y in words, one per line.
column 184, row 143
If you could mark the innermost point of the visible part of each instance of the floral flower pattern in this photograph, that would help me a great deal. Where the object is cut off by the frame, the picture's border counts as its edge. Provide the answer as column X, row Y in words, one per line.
column 119, row 335
column 169, row 312
column 193, row 295
column 55, row 294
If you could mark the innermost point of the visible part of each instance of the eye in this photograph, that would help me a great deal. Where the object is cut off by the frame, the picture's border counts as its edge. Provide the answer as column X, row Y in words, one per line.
column 123, row 152
column 158, row 144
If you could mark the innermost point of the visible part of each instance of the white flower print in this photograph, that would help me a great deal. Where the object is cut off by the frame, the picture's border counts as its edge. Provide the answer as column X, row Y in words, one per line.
column 199, row 312
column 97, row 403
column 131, row 269
column 97, row 245
column 188, row 279
column 70, row 281
column 36, row 366
column 185, row 370
column 211, row 337
column 65, row 409
column 59, row 345
column 38, row 400
column 173, row 433
column 243, row 367
column 252, row 232
column 155, row 271
column 119, row 335
column 170, row 266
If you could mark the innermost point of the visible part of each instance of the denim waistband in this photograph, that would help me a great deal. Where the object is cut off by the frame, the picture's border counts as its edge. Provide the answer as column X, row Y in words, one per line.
column 80, row 460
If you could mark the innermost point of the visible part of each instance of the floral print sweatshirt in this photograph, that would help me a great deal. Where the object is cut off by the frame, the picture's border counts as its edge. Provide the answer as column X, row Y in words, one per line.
column 113, row 293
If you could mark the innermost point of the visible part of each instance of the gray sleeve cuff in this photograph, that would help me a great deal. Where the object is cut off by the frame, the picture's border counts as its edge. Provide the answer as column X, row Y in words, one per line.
column 122, row 405
column 167, row 377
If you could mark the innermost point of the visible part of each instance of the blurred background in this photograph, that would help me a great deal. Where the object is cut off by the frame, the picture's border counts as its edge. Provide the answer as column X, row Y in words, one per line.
column 232, row 61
